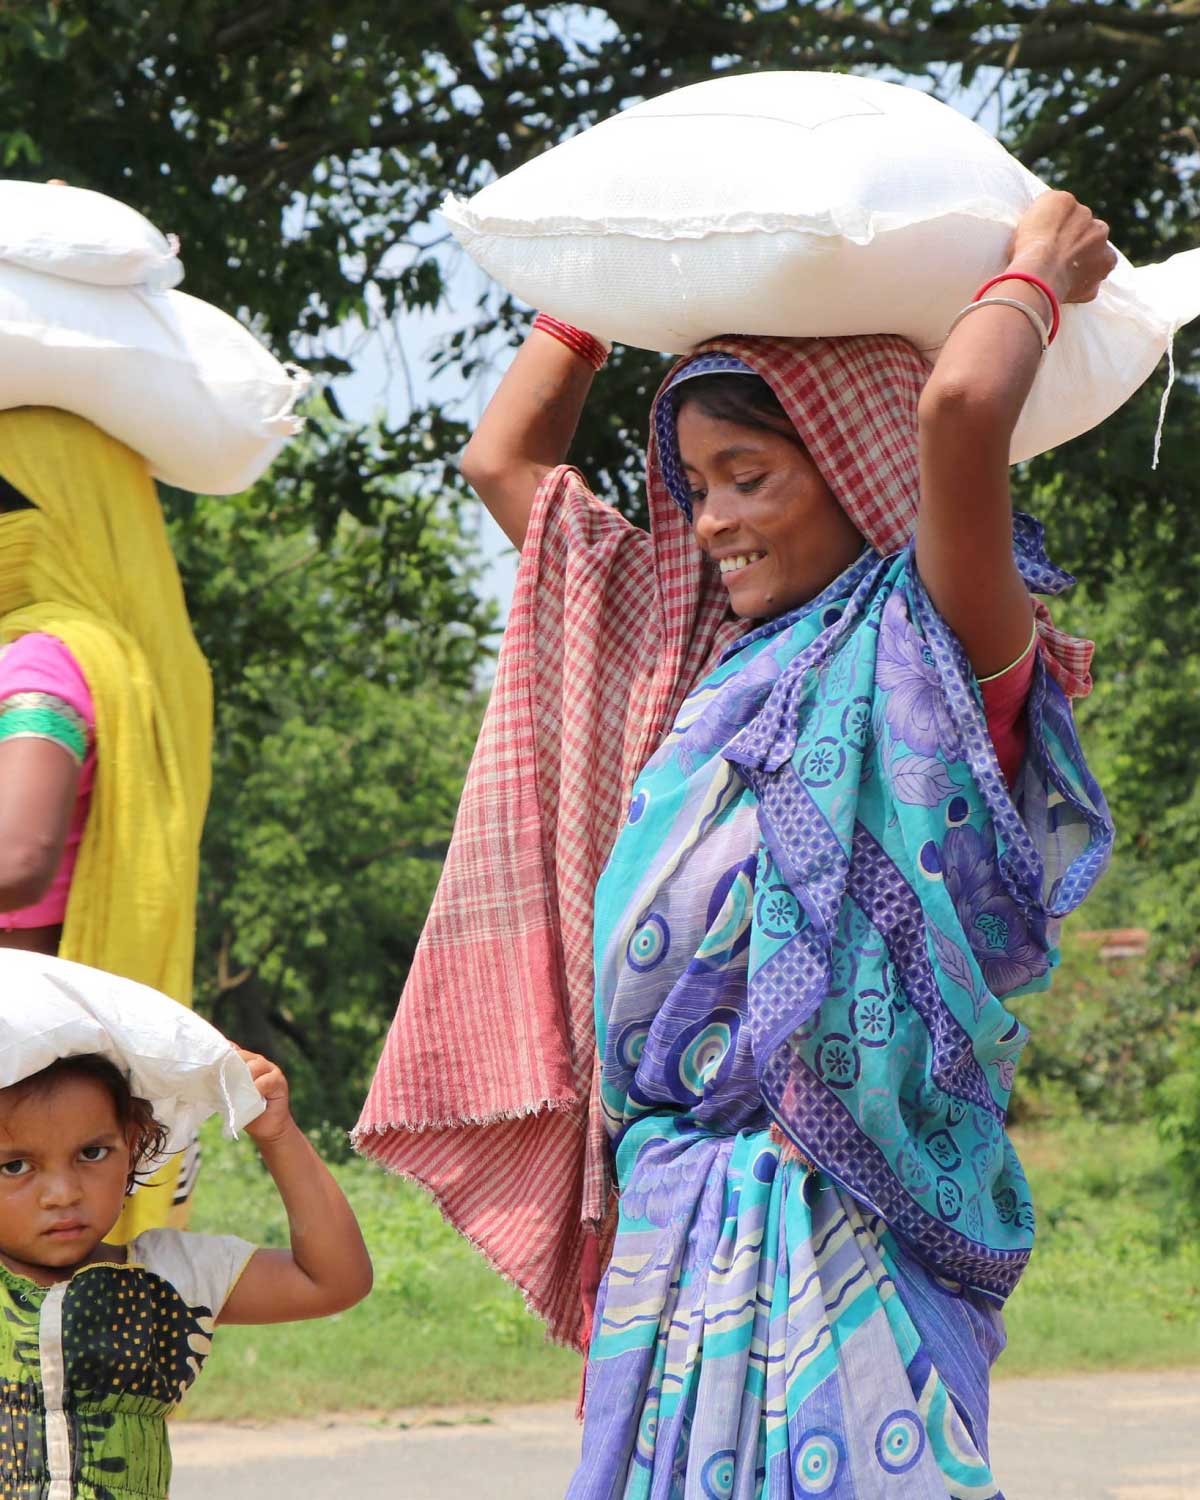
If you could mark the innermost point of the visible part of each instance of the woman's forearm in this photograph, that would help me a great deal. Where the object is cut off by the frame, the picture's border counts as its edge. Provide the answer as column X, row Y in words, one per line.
column 967, row 415
column 526, row 430
column 987, row 367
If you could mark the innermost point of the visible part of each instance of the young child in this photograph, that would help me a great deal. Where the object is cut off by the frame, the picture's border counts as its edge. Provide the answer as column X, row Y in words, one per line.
column 98, row 1342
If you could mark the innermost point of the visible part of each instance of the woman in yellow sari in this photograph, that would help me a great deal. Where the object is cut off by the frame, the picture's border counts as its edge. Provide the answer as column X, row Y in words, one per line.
column 105, row 724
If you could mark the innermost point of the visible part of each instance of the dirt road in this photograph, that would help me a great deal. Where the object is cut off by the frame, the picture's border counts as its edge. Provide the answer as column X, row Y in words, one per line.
column 1086, row 1437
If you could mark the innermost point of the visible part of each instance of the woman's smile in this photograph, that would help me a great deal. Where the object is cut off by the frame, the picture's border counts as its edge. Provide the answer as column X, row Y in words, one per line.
column 738, row 563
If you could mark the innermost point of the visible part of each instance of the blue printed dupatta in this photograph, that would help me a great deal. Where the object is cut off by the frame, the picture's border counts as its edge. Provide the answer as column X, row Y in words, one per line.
column 899, row 893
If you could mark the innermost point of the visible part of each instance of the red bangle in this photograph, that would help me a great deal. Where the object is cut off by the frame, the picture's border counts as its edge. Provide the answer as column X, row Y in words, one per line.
column 1033, row 281
column 586, row 345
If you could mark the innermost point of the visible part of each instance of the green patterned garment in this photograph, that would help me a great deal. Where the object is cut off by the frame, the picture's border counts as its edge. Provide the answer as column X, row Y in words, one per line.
column 91, row 1367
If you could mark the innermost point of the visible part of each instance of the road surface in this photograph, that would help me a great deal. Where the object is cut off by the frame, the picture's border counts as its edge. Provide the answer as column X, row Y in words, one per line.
column 1083, row 1437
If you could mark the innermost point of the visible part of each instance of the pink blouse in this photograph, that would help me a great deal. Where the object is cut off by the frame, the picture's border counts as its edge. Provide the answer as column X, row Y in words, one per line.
column 41, row 684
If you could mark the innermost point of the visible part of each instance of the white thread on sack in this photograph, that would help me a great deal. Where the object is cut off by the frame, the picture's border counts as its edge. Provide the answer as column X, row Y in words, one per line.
column 1166, row 396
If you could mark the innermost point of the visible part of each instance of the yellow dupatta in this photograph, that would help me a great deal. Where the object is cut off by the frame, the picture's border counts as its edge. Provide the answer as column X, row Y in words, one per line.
column 92, row 566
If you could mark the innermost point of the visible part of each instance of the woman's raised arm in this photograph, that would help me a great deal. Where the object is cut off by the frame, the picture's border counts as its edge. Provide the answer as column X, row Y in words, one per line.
column 527, row 429
column 968, row 412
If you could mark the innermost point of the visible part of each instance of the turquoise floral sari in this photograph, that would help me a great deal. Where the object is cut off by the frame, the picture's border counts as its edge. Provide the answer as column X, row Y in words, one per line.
column 805, row 935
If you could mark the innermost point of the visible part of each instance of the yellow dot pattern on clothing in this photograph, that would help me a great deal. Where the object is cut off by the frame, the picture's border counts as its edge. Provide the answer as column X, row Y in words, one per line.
column 131, row 1347
column 126, row 1330
column 22, row 1428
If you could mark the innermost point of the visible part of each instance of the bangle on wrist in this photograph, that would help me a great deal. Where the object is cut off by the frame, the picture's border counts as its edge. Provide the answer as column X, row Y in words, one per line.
column 1035, row 281
column 1022, row 307
column 586, row 345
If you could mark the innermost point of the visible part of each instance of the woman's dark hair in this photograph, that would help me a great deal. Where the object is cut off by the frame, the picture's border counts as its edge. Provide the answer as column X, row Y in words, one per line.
column 135, row 1116
column 11, row 497
column 745, row 399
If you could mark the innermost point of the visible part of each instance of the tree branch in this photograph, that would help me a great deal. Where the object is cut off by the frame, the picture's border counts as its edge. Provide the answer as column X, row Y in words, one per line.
column 252, row 27
column 1047, row 138
column 1165, row 18
column 294, row 1033
column 225, row 980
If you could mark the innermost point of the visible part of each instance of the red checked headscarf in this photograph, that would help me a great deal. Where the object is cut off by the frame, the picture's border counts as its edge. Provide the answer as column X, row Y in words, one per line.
column 484, row 1092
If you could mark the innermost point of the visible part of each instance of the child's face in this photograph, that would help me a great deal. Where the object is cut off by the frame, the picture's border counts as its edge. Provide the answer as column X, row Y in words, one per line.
column 64, row 1165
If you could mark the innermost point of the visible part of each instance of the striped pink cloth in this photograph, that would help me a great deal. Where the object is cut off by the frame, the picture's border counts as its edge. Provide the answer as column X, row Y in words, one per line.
column 484, row 1089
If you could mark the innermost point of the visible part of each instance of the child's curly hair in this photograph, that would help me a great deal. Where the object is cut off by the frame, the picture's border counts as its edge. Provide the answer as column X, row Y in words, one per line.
column 135, row 1115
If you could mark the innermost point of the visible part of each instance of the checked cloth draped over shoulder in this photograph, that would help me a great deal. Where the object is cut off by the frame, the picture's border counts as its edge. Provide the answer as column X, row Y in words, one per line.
column 484, row 1089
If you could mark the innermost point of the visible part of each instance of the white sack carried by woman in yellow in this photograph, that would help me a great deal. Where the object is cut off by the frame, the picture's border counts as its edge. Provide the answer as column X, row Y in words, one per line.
column 105, row 724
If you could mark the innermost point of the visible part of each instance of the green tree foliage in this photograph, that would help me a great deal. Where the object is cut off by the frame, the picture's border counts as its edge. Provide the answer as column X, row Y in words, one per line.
column 1179, row 1102
column 1102, row 1042
column 344, row 125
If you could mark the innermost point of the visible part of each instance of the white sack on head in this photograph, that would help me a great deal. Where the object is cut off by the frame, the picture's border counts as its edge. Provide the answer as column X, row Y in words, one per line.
column 50, row 1009
column 88, row 324
column 84, row 236
column 805, row 204
column 172, row 377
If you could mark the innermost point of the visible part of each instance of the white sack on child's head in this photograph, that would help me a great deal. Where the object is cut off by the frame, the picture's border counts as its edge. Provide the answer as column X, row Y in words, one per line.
column 51, row 1009
column 805, row 204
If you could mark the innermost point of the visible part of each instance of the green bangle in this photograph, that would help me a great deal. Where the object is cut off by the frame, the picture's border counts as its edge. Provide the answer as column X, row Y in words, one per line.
column 41, row 716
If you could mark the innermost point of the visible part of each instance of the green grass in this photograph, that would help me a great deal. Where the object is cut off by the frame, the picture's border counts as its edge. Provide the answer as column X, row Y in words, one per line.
column 1115, row 1278
column 1115, row 1282
column 439, row 1329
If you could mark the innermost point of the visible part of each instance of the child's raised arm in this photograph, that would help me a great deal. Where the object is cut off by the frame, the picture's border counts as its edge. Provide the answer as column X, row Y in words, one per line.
column 328, row 1268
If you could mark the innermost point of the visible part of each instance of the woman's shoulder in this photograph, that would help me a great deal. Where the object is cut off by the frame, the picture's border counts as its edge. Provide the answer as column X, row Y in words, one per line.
column 42, row 663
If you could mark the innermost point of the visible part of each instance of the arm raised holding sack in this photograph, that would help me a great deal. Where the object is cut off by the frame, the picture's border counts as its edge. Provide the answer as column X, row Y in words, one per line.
column 528, row 425
column 967, row 415
column 326, row 1269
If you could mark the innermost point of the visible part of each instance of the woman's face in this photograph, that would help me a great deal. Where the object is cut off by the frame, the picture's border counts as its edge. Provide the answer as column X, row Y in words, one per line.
column 761, row 509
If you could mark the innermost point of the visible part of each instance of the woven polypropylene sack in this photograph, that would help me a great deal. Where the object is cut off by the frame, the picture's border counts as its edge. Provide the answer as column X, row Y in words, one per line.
column 174, row 378
column 51, row 1009
column 84, row 236
column 804, row 204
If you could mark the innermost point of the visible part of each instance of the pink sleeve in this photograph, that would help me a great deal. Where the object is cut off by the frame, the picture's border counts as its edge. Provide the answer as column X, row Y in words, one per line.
column 42, row 664
column 1004, row 698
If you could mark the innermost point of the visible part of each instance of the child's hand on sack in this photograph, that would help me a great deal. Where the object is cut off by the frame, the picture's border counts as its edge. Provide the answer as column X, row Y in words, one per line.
column 276, row 1119
column 327, row 1268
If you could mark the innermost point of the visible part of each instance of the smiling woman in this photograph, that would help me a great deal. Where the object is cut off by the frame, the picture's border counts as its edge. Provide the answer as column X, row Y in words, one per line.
column 801, row 848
